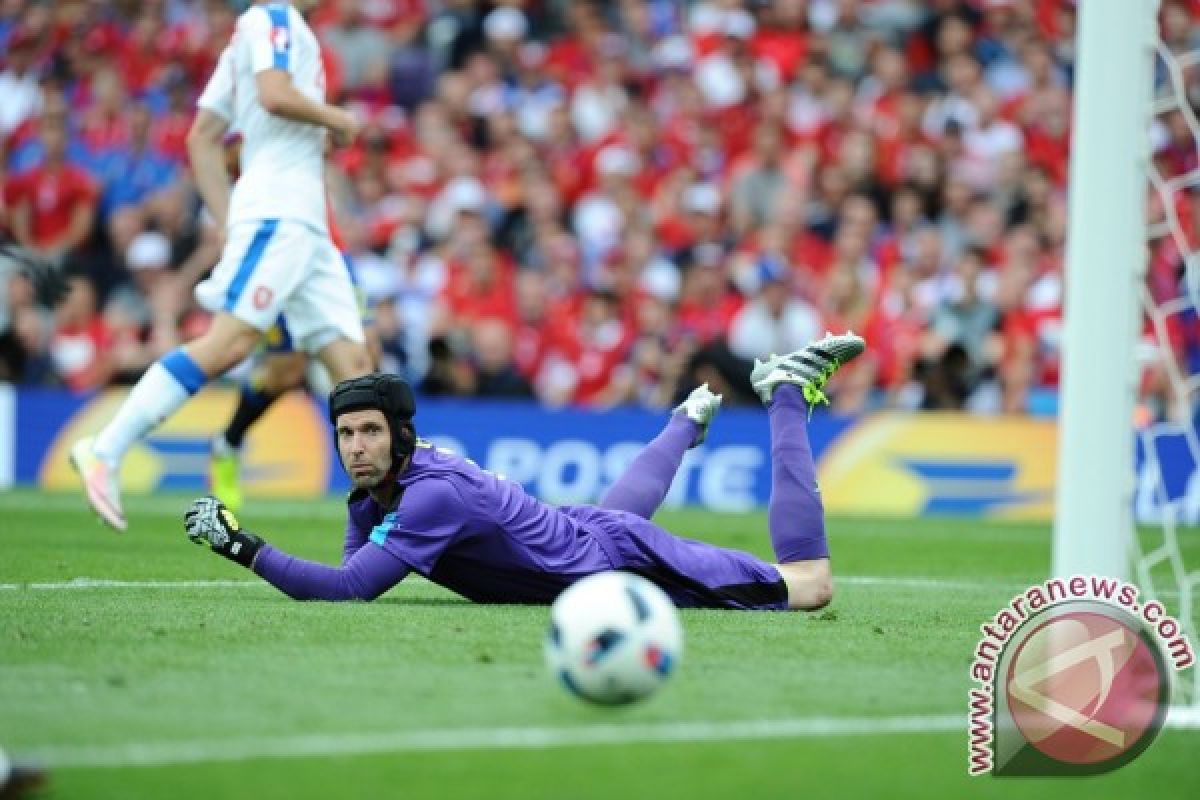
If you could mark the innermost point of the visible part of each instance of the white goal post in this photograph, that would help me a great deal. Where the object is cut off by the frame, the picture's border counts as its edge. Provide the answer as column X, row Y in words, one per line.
column 1106, row 258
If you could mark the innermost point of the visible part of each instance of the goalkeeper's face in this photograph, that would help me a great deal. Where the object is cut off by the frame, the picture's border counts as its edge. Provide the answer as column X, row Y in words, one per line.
column 365, row 445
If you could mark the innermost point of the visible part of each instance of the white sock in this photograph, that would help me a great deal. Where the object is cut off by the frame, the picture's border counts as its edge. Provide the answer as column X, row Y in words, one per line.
column 161, row 391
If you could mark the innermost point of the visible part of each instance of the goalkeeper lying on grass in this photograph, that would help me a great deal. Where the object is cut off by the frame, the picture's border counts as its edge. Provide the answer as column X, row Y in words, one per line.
column 415, row 508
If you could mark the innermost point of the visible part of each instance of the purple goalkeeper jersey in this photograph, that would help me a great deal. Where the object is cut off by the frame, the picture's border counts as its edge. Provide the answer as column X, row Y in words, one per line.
column 477, row 534
column 484, row 538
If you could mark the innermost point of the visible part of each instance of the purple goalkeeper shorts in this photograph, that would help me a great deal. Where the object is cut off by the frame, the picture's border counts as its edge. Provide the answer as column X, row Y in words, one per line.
column 694, row 574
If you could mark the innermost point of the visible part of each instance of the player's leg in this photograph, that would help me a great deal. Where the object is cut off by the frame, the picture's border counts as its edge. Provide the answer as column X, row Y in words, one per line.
column 373, row 342
column 279, row 373
column 699, row 574
column 642, row 486
column 345, row 358
column 164, row 387
column 325, row 319
column 245, row 290
column 280, row 369
column 695, row 574
column 789, row 385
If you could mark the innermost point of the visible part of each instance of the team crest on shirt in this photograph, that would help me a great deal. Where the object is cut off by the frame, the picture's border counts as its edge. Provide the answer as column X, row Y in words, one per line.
column 262, row 297
column 280, row 39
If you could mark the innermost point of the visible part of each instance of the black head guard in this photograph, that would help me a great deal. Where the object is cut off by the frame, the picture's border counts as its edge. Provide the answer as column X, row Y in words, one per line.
column 382, row 392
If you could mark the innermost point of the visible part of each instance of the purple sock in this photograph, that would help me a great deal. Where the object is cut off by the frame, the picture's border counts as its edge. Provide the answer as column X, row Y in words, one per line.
column 642, row 487
column 795, row 515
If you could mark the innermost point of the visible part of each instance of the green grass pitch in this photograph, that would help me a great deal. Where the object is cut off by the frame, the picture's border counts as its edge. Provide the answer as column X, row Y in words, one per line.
column 152, row 687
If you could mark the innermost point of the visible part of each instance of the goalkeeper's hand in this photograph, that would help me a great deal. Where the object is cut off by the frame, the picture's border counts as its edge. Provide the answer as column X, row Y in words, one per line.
column 208, row 521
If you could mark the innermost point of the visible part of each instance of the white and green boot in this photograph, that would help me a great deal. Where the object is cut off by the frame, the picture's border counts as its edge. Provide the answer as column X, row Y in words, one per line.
column 700, row 407
column 809, row 368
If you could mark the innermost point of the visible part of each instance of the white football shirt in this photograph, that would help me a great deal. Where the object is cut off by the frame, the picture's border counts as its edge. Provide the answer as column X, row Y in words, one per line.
column 281, row 160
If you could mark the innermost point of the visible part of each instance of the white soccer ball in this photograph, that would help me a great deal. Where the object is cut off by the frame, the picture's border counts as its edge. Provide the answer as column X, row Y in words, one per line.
column 614, row 638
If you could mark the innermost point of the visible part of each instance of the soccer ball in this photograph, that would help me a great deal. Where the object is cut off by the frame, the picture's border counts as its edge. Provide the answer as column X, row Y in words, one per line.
column 614, row 638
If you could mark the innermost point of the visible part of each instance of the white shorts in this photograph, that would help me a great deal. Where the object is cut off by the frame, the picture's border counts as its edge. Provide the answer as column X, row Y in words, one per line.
column 274, row 267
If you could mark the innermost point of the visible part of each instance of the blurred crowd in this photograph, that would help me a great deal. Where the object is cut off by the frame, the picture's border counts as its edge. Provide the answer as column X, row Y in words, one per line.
column 592, row 203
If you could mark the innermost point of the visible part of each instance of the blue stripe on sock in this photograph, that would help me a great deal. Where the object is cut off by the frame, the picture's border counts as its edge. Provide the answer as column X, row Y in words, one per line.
column 184, row 369
column 281, row 43
column 253, row 255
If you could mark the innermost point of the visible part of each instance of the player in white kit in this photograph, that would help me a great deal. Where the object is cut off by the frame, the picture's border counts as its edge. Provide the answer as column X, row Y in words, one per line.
column 278, row 257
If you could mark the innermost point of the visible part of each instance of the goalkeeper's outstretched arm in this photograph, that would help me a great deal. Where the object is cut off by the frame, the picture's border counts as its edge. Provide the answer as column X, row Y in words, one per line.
column 367, row 574
column 370, row 573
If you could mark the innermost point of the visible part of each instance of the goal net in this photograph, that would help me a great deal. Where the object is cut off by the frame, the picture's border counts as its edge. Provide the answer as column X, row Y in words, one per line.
column 1166, row 547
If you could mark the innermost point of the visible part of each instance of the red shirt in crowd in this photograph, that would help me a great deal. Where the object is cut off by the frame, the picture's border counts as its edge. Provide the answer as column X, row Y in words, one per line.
column 595, row 366
column 785, row 49
column 52, row 195
column 169, row 135
column 469, row 300
column 100, row 132
column 709, row 322
column 1041, row 330
column 594, row 358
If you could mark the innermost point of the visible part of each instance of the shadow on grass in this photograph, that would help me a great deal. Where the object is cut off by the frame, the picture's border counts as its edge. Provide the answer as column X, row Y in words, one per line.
column 423, row 601
column 457, row 602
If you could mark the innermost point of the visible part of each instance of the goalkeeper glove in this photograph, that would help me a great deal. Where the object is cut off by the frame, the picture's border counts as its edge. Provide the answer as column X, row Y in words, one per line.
column 208, row 521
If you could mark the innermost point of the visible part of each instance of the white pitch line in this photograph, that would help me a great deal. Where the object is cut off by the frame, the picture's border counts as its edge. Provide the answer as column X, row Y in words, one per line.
column 152, row 754
column 226, row 749
column 102, row 583
column 939, row 584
